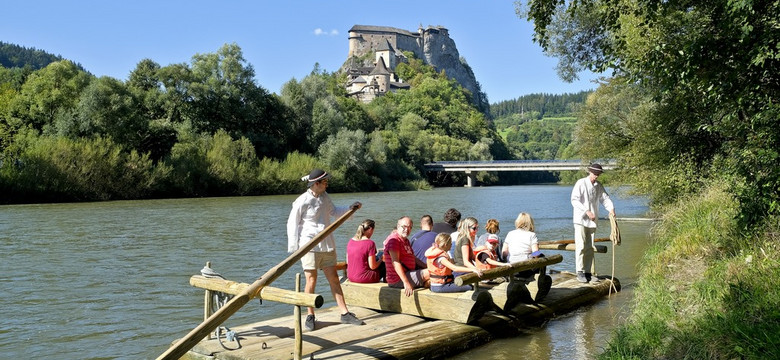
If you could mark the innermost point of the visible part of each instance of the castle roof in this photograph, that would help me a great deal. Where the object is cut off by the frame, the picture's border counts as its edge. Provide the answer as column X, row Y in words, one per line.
column 380, row 68
column 385, row 46
column 373, row 28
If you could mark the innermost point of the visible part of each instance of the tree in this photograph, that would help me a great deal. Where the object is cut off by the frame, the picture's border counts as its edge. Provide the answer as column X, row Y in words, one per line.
column 709, row 70
column 106, row 108
column 50, row 92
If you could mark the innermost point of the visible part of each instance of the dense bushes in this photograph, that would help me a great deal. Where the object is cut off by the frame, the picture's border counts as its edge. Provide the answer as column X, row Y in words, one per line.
column 705, row 291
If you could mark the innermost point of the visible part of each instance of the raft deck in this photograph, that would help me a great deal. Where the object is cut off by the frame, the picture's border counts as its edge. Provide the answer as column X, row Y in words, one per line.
column 387, row 335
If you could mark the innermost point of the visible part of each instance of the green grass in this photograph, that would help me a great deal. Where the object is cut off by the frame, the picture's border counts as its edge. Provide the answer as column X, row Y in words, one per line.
column 705, row 291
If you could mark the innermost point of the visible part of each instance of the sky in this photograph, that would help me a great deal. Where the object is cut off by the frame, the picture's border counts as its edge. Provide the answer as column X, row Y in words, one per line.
column 281, row 39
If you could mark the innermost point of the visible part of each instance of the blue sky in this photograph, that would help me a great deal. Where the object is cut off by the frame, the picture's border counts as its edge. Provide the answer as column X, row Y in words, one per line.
column 281, row 39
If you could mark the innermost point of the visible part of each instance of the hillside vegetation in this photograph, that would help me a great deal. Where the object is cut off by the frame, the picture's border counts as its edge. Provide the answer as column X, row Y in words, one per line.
column 207, row 129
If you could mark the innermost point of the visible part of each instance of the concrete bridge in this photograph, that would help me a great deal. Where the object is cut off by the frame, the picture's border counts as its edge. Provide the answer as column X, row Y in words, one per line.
column 470, row 167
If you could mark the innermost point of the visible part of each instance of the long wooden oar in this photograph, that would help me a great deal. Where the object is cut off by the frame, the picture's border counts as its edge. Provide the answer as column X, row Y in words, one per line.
column 186, row 343
column 555, row 242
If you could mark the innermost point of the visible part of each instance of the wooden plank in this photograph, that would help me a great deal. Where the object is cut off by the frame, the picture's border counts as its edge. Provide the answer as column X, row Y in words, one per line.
column 509, row 270
column 429, row 340
column 601, row 249
column 335, row 334
column 181, row 347
column 280, row 330
column 267, row 293
column 569, row 241
column 464, row 307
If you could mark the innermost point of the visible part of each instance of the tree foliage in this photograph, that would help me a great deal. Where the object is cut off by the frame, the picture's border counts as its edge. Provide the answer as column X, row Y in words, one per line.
column 706, row 73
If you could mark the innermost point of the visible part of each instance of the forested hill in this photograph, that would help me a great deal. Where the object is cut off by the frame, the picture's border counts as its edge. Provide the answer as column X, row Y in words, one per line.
column 15, row 56
column 542, row 105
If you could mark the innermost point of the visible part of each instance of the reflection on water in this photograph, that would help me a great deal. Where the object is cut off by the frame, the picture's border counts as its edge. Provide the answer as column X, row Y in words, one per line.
column 111, row 279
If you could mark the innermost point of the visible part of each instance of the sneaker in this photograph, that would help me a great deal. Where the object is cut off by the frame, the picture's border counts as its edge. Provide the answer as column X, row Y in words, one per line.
column 350, row 318
column 309, row 324
column 594, row 280
column 581, row 277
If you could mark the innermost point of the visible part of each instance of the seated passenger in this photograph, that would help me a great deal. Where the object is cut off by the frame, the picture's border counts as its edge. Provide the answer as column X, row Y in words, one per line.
column 423, row 239
column 463, row 251
column 401, row 265
column 486, row 257
column 363, row 265
column 522, row 244
column 440, row 266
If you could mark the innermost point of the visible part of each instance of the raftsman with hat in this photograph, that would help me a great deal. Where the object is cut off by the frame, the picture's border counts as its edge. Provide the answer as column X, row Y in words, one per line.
column 311, row 213
column 586, row 195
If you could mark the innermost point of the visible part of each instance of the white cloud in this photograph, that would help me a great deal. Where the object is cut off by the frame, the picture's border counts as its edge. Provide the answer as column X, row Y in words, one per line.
column 320, row 32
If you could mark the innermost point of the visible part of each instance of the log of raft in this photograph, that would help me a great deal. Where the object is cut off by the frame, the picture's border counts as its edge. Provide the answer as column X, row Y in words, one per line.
column 509, row 270
column 508, row 294
column 569, row 241
column 465, row 307
column 267, row 293
column 601, row 249
column 565, row 295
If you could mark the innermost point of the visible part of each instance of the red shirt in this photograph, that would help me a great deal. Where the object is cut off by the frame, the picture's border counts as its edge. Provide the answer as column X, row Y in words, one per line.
column 395, row 242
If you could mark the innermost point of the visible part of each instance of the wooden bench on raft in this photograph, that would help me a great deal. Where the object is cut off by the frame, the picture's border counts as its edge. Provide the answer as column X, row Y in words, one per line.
column 465, row 307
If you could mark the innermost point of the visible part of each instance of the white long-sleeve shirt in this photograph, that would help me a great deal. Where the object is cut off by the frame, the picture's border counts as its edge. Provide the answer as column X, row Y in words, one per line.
column 309, row 216
column 586, row 196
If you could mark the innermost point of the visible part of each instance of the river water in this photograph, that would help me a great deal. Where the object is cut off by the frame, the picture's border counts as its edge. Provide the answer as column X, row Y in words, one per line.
column 110, row 280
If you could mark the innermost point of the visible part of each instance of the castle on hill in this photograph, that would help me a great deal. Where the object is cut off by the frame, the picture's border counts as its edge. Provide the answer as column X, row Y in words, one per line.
column 375, row 75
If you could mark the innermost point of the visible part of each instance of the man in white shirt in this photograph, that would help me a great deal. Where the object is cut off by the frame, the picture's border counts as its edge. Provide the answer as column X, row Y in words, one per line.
column 585, row 198
column 311, row 213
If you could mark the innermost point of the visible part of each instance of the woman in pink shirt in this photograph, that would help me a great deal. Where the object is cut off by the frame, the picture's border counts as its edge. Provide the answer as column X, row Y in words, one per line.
column 362, row 263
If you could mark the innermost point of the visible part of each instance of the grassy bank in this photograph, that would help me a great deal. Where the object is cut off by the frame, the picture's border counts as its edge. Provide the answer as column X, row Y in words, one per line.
column 705, row 290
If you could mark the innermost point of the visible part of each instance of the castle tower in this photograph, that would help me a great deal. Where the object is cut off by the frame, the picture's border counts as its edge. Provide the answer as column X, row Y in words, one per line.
column 386, row 52
column 381, row 75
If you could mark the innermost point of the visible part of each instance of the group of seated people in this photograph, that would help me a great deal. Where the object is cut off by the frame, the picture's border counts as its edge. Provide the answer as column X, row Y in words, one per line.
column 428, row 258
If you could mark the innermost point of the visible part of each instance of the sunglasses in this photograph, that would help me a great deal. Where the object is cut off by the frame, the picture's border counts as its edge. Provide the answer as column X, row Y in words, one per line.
column 473, row 227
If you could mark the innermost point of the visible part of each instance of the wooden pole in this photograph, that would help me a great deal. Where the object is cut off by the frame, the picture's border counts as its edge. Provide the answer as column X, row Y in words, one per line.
column 556, row 242
column 601, row 249
column 193, row 337
column 297, row 315
column 208, row 301
column 508, row 270
column 269, row 293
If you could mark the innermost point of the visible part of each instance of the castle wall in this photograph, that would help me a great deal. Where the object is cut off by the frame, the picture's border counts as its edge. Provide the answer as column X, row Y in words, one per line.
column 363, row 42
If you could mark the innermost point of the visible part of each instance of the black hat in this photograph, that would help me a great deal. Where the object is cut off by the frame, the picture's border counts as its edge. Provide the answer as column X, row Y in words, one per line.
column 316, row 175
column 595, row 169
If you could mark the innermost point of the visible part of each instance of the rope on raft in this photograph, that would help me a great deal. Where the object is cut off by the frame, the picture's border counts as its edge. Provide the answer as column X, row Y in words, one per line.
column 614, row 236
column 219, row 299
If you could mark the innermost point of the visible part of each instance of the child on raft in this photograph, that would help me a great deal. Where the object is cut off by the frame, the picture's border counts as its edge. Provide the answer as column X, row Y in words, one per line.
column 486, row 257
column 440, row 266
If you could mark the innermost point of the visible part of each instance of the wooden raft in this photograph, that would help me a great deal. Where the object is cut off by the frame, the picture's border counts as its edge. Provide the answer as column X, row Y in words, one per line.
column 388, row 335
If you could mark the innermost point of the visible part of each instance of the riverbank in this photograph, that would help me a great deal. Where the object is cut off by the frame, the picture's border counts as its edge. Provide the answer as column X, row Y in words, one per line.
column 705, row 290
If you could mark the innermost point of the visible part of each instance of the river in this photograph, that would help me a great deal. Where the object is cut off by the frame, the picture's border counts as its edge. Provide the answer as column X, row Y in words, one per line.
column 110, row 280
